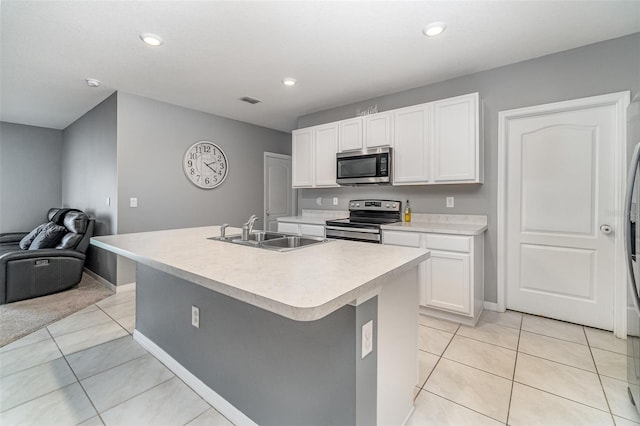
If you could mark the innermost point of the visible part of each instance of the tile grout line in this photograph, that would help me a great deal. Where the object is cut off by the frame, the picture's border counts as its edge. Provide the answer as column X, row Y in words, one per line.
column 77, row 379
column 116, row 321
column 515, row 365
column 606, row 399
column 438, row 361
column 464, row 406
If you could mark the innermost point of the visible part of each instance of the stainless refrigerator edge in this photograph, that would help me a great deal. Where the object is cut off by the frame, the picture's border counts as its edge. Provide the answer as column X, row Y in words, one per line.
column 632, row 243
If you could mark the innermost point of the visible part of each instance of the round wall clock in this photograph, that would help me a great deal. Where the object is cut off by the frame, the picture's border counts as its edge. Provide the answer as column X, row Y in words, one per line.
column 205, row 164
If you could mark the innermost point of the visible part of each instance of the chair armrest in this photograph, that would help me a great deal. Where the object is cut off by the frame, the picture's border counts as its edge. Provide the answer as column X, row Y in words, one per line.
column 12, row 237
column 34, row 254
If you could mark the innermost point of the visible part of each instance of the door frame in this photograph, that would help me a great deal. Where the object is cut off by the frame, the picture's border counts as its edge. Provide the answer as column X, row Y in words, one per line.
column 620, row 100
column 294, row 192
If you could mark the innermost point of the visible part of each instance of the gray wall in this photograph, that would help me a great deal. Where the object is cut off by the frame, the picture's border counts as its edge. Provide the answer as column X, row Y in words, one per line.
column 152, row 139
column 275, row 370
column 30, row 167
column 89, row 176
column 605, row 67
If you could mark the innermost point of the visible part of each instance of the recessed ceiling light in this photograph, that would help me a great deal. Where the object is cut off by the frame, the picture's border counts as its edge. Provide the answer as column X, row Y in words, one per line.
column 152, row 39
column 434, row 29
column 92, row 82
column 289, row 81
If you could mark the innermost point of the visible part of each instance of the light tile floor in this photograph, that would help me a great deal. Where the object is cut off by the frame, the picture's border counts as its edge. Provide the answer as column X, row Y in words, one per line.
column 520, row 369
column 511, row 368
column 86, row 370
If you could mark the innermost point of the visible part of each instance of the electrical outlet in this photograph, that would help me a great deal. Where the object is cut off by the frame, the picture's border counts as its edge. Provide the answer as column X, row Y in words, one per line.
column 367, row 339
column 335, row 201
column 195, row 316
column 108, row 201
column 450, row 203
column 133, row 202
column 319, row 201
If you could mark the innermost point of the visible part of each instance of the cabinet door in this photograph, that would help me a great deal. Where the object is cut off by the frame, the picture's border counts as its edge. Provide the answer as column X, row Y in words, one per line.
column 325, row 148
column 447, row 285
column 312, row 230
column 302, row 158
column 455, row 139
column 377, row 130
column 410, row 239
column 411, row 145
column 351, row 134
column 289, row 228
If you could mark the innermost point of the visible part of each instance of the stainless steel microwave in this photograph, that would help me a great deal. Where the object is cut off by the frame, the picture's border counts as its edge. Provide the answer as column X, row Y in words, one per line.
column 372, row 166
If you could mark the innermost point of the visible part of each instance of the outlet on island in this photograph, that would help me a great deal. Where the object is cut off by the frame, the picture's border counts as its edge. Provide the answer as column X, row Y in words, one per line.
column 367, row 339
column 195, row 316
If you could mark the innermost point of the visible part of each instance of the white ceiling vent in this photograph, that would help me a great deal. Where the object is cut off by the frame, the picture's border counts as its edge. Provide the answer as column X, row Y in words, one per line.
column 250, row 100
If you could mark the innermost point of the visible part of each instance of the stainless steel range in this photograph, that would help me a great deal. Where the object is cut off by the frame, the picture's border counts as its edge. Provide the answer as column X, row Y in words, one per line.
column 364, row 221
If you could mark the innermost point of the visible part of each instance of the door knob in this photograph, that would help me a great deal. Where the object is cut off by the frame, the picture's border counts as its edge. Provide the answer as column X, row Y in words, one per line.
column 268, row 212
column 605, row 229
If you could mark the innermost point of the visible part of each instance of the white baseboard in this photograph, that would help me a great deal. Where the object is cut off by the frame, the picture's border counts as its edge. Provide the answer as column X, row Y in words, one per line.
column 113, row 287
column 491, row 306
column 101, row 280
column 125, row 287
column 236, row 416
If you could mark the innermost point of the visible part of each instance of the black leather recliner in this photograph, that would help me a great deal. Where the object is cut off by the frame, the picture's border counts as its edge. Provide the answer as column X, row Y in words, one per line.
column 47, row 260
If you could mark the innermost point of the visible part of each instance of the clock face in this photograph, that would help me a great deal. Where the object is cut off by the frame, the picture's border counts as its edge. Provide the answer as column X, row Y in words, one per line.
column 205, row 164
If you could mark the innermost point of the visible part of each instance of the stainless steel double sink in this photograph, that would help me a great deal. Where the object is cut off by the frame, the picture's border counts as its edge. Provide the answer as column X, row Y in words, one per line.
column 272, row 240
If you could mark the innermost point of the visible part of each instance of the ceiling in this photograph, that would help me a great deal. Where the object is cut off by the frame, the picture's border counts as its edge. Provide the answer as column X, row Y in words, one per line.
column 216, row 52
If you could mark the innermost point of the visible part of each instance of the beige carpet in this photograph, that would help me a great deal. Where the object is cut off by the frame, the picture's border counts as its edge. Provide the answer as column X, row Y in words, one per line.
column 18, row 319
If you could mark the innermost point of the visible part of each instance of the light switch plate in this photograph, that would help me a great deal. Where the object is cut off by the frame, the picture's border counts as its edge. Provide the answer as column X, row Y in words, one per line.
column 133, row 202
column 335, row 201
column 319, row 201
column 367, row 339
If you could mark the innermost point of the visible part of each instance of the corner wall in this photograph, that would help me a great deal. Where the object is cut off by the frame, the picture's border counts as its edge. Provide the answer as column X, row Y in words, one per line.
column 30, row 170
column 152, row 139
column 89, row 176
column 606, row 67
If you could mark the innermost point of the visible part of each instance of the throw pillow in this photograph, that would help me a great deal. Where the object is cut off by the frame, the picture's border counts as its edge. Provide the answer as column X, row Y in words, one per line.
column 49, row 237
column 26, row 241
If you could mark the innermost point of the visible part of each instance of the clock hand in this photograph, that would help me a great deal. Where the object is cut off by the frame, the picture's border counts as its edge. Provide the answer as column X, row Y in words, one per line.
column 205, row 163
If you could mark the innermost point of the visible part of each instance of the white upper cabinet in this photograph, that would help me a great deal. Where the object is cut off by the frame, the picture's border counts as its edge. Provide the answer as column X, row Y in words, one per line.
column 411, row 145
column 351, row 134
column 314, row 156
column 326, row 146
column 456, row 153
column 369, row 131
column 378, row 130
column 302, row 155
column 433, row 143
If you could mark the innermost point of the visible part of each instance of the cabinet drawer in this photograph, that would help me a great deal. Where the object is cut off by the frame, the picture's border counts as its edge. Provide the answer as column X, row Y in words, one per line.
column 288, row 228
column 407, row 239
column 312, row 230
column 449, row 243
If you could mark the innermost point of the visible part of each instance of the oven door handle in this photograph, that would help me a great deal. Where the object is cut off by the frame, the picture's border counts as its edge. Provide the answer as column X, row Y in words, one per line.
column 354, row 229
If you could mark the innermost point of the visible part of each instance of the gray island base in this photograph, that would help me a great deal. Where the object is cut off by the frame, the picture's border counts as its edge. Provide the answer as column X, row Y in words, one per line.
column 258, row 366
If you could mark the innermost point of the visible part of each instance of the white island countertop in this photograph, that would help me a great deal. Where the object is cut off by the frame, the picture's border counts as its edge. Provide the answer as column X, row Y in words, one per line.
column 304, row 284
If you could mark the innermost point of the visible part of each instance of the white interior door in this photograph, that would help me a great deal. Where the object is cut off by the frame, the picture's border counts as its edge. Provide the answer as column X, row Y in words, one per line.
column 560, row 197
column 279, row 197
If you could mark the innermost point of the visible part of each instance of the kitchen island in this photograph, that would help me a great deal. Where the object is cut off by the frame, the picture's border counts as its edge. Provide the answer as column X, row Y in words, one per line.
column 280, row 336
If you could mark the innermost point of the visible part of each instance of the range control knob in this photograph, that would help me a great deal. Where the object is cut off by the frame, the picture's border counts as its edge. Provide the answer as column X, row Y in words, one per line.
column 387, row 205
column 393, row 205
column 358, row 205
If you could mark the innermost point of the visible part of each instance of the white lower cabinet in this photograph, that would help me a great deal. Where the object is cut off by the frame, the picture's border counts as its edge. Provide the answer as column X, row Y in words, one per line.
column 301, row 229
column 452, row 279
